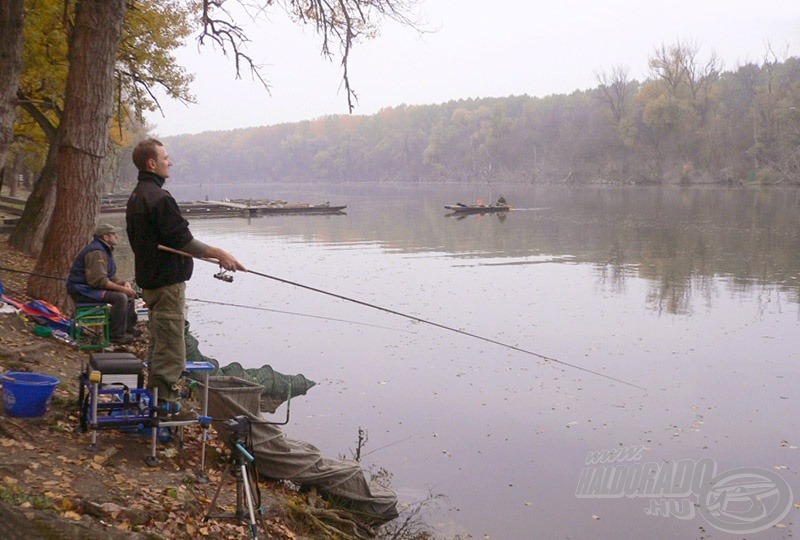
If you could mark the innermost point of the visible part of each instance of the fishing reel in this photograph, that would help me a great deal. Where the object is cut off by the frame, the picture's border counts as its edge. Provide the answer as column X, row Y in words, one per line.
column 223, row 275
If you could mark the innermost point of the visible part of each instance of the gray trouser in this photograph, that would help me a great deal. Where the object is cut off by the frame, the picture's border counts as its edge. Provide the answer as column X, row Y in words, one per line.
column 167, row 351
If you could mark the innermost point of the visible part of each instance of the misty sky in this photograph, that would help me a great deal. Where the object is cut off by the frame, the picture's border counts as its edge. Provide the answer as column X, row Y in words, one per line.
column 473, row 49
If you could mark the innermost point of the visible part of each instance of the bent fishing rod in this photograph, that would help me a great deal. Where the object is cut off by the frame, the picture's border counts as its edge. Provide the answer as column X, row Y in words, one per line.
column 2, row 268
column 226, row 277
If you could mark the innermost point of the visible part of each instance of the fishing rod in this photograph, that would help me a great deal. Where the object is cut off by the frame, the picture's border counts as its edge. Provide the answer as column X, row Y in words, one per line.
column 229, row 278
column 31, row 273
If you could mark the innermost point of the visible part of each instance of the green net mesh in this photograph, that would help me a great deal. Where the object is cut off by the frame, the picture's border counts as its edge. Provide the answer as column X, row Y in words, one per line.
column 277, row 386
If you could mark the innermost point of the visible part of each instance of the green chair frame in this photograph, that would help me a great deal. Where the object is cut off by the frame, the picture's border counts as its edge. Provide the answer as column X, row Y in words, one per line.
column 91, row 327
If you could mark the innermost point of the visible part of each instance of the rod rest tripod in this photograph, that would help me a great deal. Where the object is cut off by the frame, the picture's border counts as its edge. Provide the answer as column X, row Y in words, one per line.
column 241, row 466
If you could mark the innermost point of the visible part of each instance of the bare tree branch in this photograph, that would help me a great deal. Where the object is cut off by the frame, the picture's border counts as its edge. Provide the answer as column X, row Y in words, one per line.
column 339, row 23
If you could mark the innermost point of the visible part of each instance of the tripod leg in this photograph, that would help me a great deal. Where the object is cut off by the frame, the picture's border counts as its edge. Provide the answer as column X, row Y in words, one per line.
column 239, row 494
column 249, row 495
column 216, row 494
column 253, row 483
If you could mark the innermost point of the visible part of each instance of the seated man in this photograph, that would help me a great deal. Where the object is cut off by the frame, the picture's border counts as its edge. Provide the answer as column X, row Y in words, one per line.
column 93, row 279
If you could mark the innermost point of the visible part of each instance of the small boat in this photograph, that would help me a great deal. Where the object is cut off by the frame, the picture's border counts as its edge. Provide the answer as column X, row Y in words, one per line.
column 461, row 208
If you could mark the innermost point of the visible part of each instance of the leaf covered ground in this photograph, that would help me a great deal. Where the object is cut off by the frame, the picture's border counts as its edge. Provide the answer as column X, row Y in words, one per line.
column 52, row 485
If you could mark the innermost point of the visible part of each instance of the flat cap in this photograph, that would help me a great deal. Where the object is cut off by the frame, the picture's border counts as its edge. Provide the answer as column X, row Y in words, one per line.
column 104, row 228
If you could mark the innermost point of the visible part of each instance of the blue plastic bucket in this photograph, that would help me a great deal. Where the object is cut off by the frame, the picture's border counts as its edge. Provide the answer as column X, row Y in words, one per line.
column 26, row 394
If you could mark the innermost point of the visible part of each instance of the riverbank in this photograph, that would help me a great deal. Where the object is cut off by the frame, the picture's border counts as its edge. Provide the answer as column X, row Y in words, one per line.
column 53, row 486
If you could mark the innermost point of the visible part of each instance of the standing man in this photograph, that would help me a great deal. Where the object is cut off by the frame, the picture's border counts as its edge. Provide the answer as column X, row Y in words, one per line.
column 93, row 279
column 153, row 218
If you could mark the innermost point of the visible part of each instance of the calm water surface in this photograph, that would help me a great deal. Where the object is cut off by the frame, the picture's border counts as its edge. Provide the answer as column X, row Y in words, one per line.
column 691, row 294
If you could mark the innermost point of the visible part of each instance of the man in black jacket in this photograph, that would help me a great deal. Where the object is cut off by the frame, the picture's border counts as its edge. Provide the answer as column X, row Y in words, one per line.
column 153, row 218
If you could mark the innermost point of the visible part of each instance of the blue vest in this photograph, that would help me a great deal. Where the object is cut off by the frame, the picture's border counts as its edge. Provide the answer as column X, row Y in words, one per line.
column 77, row 275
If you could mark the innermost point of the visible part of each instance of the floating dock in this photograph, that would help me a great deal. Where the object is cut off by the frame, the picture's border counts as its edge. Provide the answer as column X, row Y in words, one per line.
column 241, row 208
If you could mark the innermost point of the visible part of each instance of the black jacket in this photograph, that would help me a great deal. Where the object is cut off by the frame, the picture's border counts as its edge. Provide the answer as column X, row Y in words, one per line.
column 153, row 218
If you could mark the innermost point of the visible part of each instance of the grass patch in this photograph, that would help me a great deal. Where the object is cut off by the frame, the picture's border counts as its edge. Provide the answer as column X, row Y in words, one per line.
column 17, row 497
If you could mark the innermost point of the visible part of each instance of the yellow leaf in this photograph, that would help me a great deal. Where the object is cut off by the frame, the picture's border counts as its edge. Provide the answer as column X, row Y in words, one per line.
column 72, row 515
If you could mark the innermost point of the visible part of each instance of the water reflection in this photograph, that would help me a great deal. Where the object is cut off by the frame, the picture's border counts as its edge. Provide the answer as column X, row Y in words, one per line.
column 689, row 293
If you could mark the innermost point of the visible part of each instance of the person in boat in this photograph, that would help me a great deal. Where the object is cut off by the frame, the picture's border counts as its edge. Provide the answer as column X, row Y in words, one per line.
column 153, row 218
column 93, row 279
column 501, row 201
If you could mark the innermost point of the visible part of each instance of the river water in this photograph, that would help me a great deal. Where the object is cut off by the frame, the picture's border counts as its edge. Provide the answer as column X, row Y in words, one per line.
column 686, row 299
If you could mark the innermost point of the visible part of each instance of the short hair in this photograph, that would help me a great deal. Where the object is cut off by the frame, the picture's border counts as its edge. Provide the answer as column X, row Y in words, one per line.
column 144, row 151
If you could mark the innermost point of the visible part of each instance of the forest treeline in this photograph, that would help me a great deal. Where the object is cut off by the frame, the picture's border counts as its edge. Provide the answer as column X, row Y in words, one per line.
column 688, row 122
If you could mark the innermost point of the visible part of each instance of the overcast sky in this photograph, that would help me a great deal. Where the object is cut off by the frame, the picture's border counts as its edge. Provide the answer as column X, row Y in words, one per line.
column 473, row 49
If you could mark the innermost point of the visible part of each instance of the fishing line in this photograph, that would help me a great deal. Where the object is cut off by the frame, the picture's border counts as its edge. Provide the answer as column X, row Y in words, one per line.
column 414, row 318
column 295, row 313
column 404, row 439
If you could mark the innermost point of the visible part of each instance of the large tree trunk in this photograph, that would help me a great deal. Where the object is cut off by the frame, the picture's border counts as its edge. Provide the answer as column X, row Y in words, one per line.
column 88, row 106
column 28, row 236
column 11, row 19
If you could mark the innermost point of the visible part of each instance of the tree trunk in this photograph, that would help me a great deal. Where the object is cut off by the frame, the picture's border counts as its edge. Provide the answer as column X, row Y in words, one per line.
column 28, row 235
column 11, row 19
column 88, row 105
